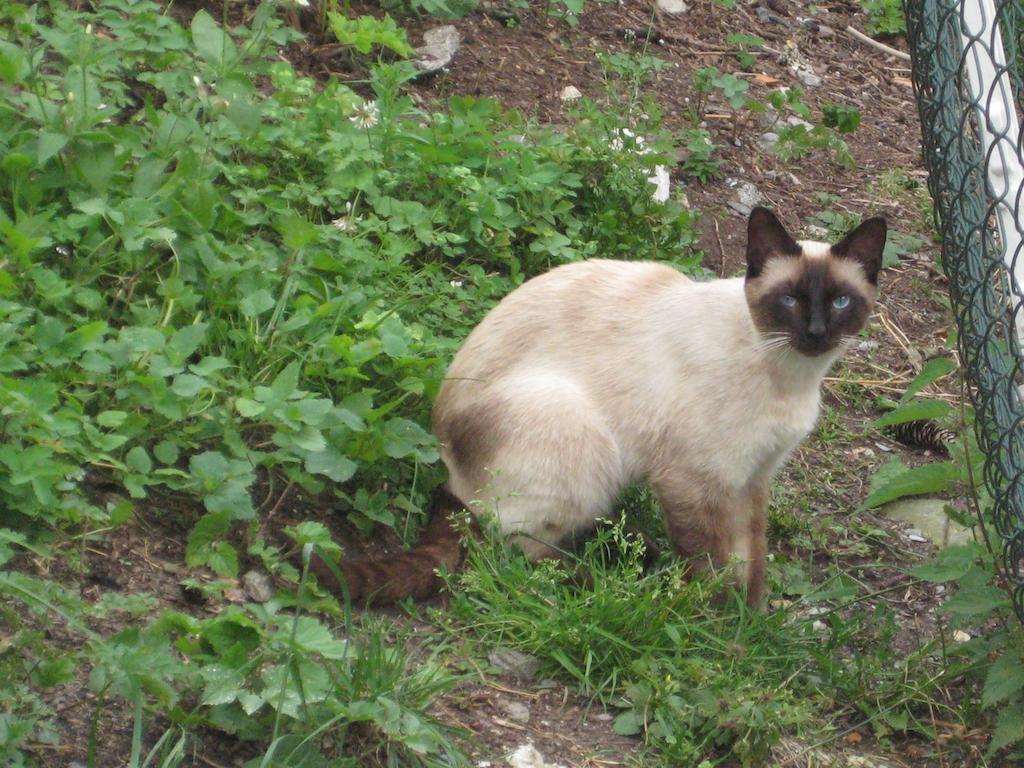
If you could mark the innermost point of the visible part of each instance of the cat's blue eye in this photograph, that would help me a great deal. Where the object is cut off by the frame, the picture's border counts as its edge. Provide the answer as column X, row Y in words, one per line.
column 841, row 302
column 788, row 301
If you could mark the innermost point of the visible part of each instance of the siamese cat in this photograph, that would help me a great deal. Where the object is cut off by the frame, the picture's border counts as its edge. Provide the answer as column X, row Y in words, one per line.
column 599, row 374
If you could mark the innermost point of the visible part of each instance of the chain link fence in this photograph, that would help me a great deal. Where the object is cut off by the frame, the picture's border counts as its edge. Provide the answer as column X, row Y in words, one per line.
column 967, row 70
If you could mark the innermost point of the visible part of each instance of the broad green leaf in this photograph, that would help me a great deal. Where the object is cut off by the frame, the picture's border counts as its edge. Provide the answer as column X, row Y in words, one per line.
column 188, row 385
column 894, row 481
column 332, row 464
column 629, row 723
column 286, row 383
column 313, row 532
column 309, row 439
column 48, row 145
column 212, row 42
column 932, row 371
column 186, row 340
column 296, row 232
column 111, row 419
column 403, row 438
column 950, row 564
column 976, row 598
column 223, row 684
column 166, row 452
column 913, row 410
column 256, row 303
column 139, row 460
column 314, row 637
column 1009, row 728
column 247, row 408
column 1005, row 679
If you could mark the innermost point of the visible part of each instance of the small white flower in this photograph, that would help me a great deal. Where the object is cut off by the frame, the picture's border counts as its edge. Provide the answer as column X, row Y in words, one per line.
column 346, row 222
column 366, row 116
column 455, row 283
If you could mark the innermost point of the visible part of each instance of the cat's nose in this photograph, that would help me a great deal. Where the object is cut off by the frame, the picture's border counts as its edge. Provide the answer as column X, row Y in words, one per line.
column 816, row 328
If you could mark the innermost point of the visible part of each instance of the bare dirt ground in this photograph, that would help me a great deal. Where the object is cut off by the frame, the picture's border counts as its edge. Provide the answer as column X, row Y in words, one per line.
column 524, row 58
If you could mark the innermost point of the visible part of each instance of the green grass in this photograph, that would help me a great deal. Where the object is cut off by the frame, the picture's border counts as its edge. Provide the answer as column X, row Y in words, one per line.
column 700, row 678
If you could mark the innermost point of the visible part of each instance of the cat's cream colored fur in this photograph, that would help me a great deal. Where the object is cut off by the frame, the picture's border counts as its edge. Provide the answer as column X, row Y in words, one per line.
column 602, row 373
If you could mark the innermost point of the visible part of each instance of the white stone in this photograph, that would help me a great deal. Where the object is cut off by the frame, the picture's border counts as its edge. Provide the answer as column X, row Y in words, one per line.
column 794, row 120
column 515, row 711
column 527, row 756
column 570, row 93
column 438, row 49
column 808, row 78
column 674, row 7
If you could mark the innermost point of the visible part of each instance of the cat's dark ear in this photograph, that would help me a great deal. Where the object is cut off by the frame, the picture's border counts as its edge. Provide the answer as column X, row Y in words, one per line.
column 766, row 237
column 865, row 245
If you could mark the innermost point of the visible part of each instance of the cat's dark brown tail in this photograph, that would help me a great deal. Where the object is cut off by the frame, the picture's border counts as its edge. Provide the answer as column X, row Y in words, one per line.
column 413, row 573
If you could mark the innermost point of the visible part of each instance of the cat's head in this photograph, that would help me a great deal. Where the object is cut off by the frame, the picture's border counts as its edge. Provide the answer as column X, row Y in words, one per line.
column 808, row 295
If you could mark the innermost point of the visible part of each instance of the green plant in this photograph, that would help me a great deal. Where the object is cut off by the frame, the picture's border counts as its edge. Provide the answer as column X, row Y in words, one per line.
column 700, row 162
column 732, row 88
column 798, row 141
column 885, row 17
column 566, row 10
column 790, row 99
column 366, row 32
column 845, row 118
column 745, row 43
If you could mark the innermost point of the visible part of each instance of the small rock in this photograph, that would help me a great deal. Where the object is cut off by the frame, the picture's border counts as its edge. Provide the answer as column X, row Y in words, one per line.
column 513, row 663
column 673, row 7
column 794, row 120
column 438, row 49
column 960, row 636
column 515, row 711
column 819, row 626
column 257, row 586
column 604, row 717
column 747, row 196
column 767, row 17
column 527, row 756
column 915, row 535
column 768, row 140
column 808, row 78
column 826, row 31
column 570, row 93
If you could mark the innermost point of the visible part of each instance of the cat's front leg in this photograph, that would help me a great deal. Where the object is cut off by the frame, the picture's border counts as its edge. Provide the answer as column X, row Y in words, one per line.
column 711, row 525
